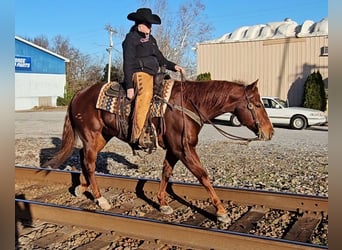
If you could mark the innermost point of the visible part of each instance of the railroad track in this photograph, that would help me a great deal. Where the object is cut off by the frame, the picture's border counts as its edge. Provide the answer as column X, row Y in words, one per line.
column 48, row 216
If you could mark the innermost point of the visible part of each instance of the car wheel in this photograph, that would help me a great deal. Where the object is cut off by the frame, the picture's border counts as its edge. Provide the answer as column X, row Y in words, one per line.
column 298, row 122
column 235, row 121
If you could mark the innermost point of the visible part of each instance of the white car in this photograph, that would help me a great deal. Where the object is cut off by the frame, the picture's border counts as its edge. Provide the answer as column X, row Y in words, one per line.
column 281, row 114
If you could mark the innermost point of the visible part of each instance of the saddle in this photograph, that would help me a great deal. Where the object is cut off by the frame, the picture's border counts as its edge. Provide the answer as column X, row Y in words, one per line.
column 112, row 98
column 115, row 90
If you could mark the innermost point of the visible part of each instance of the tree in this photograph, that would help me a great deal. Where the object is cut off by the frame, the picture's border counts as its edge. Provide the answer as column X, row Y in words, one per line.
column 180, row 31
column 115, row 74
column 76, row 68
column 80, row 71
column 204, row 76
column 314, row 92
column 41, row 41
column 94, row 73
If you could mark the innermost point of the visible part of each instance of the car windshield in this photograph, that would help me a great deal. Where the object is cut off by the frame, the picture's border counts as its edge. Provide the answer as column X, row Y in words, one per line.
column 281, row 102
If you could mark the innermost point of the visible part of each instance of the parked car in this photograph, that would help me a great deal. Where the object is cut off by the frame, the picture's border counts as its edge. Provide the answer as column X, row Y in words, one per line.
column 280, row 113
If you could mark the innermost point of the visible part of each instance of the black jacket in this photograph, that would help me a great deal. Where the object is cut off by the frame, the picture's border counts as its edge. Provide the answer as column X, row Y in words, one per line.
column 141, row 54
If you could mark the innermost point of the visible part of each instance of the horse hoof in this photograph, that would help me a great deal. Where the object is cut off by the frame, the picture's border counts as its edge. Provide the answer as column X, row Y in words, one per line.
column 79, row 190
column 166, row 209
column 103, row 203
column 223, row 218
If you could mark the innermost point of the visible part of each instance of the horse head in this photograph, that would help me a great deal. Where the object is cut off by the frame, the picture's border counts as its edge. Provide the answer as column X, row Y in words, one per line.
column 251, row 113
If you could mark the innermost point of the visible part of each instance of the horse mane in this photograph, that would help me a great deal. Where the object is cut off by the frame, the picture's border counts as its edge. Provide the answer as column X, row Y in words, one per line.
column 212, row 93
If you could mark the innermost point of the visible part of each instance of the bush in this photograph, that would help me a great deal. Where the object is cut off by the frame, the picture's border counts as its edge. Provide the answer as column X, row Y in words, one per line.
column 61, row 101
column 68, row 94
column 204, row 77
column 315, row 96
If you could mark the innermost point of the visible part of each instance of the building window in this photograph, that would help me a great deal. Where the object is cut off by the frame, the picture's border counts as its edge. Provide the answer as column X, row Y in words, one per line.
column 324, row 51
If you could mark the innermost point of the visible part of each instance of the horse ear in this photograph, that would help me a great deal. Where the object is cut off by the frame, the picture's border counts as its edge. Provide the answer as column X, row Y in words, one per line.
column 254, row 84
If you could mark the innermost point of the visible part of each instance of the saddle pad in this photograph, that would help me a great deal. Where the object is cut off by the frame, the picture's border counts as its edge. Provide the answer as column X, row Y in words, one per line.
column 158, row 106
column 112, row 103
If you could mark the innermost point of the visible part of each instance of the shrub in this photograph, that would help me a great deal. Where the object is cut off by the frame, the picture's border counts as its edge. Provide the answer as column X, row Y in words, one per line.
column 314, row 92
column 204, row 77
column 68, row 94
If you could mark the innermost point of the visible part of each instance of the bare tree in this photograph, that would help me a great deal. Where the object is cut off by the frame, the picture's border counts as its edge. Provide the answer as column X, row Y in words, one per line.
column 41, row 41
column 81, row 70
column 180, row 31
column 94, row 74
column 61, row 45
column 77, row 68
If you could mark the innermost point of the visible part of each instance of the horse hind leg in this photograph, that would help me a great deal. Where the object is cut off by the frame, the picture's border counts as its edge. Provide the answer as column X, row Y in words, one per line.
column 84, row 182
column 88, row 156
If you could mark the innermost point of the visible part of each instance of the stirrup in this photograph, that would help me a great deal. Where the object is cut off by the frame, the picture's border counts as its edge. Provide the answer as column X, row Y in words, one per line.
column 140, row 144
column 143, row 143
column 147, row 147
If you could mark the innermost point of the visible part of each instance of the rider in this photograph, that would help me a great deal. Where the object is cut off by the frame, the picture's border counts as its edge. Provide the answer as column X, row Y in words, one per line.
column 141, row 61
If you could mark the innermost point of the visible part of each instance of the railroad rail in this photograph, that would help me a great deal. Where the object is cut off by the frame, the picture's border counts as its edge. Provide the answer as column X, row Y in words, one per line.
column 135, row 212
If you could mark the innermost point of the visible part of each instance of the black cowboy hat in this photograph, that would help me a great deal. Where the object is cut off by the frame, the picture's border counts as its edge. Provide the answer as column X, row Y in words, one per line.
column 144, row 15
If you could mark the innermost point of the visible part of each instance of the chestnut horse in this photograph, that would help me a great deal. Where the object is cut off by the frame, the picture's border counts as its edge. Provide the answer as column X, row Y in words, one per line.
column 206, row 99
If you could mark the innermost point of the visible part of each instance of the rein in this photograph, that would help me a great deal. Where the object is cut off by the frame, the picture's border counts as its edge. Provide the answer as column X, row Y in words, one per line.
column 188, row 112
column 184, row 138
column 200, row 118
column 221, row 131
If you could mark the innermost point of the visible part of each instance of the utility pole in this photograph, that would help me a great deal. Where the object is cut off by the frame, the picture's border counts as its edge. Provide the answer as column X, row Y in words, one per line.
column 111, row 31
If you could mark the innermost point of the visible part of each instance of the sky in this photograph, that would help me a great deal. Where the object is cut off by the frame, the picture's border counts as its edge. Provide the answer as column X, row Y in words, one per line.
column 83, row 21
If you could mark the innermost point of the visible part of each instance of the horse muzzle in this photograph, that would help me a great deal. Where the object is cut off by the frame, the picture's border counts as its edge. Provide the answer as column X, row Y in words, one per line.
column 265, row 136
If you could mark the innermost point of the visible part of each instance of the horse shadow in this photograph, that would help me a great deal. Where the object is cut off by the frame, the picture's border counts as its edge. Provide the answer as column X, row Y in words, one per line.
column 74, row 159
column 102, row 162
column 139, row 190
column 23, row 217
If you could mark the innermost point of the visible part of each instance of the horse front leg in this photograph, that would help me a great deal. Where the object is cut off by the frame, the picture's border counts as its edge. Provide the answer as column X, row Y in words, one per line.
column 168, row 165
column 192, row 162
column 88, row 156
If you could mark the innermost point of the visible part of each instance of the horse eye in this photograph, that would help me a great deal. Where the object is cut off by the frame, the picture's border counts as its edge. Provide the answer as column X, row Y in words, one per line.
column 258, row 105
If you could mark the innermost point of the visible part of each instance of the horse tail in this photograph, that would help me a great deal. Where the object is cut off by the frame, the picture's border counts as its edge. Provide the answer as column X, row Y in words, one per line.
column 68, row 141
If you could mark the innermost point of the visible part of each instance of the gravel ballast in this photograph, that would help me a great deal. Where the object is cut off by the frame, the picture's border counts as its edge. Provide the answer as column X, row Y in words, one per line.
column 293, row 161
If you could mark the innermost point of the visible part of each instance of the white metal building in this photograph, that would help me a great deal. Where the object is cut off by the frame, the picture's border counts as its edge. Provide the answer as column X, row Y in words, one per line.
column 40, row 75
column 280, row 54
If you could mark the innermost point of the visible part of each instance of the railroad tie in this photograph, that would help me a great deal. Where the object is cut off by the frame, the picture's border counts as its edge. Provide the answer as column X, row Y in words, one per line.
column 302, row 229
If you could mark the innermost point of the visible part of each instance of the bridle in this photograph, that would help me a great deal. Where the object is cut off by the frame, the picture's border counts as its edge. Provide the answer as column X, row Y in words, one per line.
column 250, row 107
column 202, row 117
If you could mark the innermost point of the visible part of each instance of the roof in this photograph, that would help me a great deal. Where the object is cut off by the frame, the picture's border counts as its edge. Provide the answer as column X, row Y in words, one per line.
column 41, row 48
column 275, row 30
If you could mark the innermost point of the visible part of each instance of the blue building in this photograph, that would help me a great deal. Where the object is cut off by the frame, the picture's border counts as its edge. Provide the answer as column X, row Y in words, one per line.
column 40, row 75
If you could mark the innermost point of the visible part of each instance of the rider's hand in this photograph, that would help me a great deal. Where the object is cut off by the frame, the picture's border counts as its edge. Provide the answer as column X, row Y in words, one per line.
column 179, row 69
column 130, row 93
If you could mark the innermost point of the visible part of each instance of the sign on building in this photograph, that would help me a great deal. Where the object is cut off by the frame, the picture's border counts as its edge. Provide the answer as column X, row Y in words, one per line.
column 22, row 63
